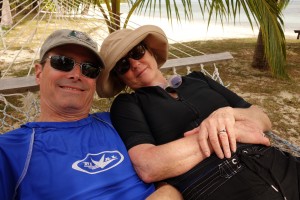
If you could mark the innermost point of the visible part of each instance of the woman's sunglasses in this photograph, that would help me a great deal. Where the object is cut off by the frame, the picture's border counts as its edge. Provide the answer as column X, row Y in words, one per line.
column 136, row 53
column 63, row 63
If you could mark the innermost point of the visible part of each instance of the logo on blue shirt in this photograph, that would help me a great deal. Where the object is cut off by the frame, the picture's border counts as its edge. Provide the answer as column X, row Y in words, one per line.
column 96, row 163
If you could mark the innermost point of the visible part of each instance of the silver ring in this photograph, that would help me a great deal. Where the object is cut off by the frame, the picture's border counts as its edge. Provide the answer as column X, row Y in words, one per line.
column 222, row 131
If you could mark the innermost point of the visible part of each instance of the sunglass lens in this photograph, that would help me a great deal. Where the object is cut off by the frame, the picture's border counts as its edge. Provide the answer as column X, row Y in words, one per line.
column 122, row 66
column 62, row 63
column 137, row 52
column 90, row 70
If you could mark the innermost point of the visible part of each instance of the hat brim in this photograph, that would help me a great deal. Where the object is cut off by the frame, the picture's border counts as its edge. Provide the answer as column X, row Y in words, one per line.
column 118, row 44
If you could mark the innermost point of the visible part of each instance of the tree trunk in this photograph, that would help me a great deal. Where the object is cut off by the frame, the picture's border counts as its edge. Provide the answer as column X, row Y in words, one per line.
column 259, row 58
column 86, row 8
column 1, row 5
column 35, row 6
column 6, row 19
column 115, row 4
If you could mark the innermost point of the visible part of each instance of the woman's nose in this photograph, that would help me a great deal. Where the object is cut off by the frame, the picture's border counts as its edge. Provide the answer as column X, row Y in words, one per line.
column 134, row 64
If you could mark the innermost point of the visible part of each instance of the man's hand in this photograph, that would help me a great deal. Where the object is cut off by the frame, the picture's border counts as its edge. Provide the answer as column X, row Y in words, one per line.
column 165, row 192
column 247, row 132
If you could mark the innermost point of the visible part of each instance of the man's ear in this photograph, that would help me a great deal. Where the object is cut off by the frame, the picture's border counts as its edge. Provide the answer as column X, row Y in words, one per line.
column 38, row 72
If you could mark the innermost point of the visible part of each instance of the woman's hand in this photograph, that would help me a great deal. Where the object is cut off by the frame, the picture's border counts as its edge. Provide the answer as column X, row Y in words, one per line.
column 222, row 143
column 217, row 132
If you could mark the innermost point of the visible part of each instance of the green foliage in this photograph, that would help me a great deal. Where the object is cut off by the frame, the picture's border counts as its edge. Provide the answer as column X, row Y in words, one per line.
column 48, row 6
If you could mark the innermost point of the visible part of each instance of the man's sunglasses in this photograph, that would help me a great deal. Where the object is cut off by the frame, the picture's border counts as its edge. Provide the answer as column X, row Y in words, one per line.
column 63, row 63
column 136, row 53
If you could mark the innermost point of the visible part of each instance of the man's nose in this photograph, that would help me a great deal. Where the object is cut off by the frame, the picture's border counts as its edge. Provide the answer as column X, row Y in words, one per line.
column 76, row 71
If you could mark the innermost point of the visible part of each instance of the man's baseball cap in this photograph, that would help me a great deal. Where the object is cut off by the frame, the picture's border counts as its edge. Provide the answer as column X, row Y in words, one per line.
column 65, row 36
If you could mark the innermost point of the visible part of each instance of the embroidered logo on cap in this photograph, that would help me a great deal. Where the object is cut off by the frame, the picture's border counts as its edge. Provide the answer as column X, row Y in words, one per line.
column 96, row 163
column 83, row 37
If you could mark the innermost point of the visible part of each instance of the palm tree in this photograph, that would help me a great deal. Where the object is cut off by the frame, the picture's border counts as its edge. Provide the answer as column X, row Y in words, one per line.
column 260, row 60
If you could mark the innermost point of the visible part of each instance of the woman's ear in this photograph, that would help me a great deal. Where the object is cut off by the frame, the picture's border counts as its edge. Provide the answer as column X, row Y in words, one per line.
column 38, row 72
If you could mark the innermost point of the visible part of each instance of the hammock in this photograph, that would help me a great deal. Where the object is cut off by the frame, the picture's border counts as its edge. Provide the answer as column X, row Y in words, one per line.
column 21, row 36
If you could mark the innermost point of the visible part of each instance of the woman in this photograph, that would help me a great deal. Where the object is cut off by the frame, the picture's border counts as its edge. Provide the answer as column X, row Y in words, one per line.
column 170, row 131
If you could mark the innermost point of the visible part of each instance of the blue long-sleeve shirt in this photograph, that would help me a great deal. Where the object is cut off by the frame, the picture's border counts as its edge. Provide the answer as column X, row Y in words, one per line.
column 84, row 159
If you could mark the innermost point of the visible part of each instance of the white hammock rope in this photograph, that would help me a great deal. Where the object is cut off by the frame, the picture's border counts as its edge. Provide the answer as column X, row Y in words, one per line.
column 22, row 47
column 13, row 115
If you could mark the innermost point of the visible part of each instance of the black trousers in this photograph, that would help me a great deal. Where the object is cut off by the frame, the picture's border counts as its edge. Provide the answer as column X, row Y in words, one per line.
column 255, row 172
column 271, row 174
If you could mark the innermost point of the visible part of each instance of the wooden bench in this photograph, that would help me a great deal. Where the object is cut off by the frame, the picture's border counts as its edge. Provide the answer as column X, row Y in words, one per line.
column 297, row 31
column 23, row 84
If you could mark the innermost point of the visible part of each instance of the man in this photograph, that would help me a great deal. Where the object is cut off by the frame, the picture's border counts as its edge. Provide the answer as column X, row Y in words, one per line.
column 68, row 153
